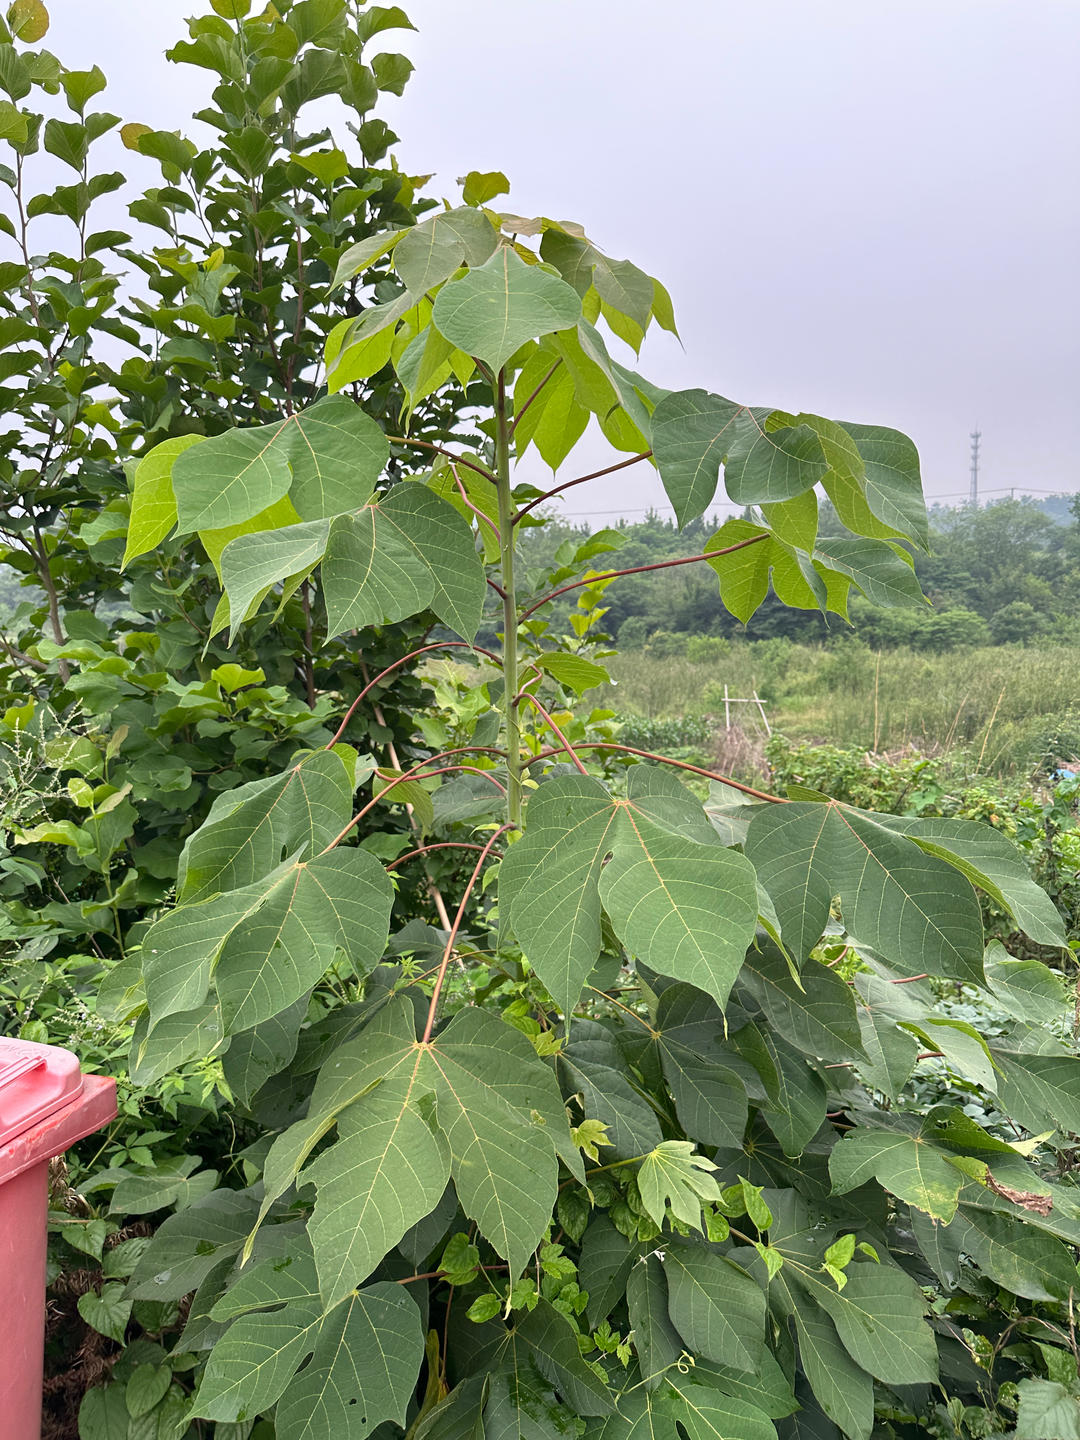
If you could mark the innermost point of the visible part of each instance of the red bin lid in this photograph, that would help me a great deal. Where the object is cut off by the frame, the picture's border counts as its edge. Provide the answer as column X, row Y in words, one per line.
column 35, row 1081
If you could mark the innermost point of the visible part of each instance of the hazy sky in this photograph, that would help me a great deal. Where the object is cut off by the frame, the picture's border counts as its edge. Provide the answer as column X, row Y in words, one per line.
column 865, row 208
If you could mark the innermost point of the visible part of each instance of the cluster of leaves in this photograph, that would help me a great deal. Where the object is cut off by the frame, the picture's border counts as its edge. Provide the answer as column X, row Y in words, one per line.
column 648, row 1095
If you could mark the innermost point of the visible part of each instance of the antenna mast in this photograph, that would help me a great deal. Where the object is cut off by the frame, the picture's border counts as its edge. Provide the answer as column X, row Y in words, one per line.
column 976, row 436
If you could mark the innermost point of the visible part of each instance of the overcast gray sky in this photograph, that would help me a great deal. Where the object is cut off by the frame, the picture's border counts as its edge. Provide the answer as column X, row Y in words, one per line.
column 865, row 208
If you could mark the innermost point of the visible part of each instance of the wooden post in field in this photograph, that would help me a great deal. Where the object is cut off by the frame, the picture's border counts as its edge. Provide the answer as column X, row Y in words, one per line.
column 727, row 710
column 764, row 717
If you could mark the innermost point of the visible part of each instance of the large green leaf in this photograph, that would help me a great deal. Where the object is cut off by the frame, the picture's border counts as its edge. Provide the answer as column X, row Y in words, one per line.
column 881, row 570
column 816, row 1014
column 717, row 1309
column 1019, row 1257
column 365, row 1357
column 992, row 862
column 1042, row 1092
column 252, row 564
column 689, row 909
column 498, row 1126
column 767, row 463
column 745, row 574
column 153, row 504
column 658, row 1344
column 494, row 309
column 912, row 909
column 326, row 458
column 710, row 1100
column 267, row 944
column 430, row 252
column 879, row 1316
column 843, row 1390
column 692, row 432
column 410, row 551
column 251, row 827
column 909, row 1165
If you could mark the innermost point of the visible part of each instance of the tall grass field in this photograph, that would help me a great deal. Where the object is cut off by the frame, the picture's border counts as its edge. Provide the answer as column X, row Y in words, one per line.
column 1011, row 709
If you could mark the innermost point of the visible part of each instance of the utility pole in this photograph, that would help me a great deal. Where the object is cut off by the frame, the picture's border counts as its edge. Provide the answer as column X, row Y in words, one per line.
column 976, row 436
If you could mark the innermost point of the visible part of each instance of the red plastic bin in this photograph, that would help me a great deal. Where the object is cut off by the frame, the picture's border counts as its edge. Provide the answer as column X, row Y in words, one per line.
column 46, row 1104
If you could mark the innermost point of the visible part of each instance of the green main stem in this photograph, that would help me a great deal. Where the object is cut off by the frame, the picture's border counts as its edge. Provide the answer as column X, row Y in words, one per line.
column 510, row 621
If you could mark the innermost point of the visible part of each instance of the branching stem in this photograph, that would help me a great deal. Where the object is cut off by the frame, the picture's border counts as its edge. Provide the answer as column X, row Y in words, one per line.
column 640, row 569
column 550, row 723
column 665, row 760
column 442, row 450
column 452, row 937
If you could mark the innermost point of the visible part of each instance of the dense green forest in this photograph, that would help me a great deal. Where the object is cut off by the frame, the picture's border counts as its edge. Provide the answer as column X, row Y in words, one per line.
column 1003, row 574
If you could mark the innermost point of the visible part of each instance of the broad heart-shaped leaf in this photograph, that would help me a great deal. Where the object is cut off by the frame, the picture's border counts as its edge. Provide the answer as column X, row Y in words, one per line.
column 767, row 463
column 710, row 1100
column 1042, row 1092
column 657, row 1343
column 494, row 309
column 365, row 1358
column 881, row 571
column 410, row 551
column 1018, row 1257
column 499, row 1127
column 817, row 1015
column 879, row 1316
column 715, row 1306
column 251, row 827
column 992, row 862
column 266, row 944
column 843, row 1389
column 701, row 1402
column 430, row 252
column 744, row 574
column 153, row 504
column 915, row 911
column 686, row 907
column 692, row 432
column 909, row 1165
column 252, row 564
column 1028, row 989
column 893, row 484
column 326, row 458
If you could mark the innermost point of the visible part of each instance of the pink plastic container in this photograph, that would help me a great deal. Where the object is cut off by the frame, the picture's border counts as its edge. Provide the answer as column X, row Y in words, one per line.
column 46, row 1104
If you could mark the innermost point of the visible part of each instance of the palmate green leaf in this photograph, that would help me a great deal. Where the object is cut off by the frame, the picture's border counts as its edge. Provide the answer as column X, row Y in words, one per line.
column 915, row 911
column 358, row 257
column 715, row 1306
column 769, row 463
column 698, row 1402
column 692, row 432
column 250, row 827
column 546, row 1339
column 893, row 484
column 843, row 1389
column 706, row 1413
column 187, row 1245
column 880, row 1318
column 556, row 419
column 326, row 458
column 889, row 1053
column 494, row 309
column 366, row 1358
column 410, row 551
column 498, row 1127
column 689, row 909
column 267, row 944
column 521, row 1405
column 671, row 1174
